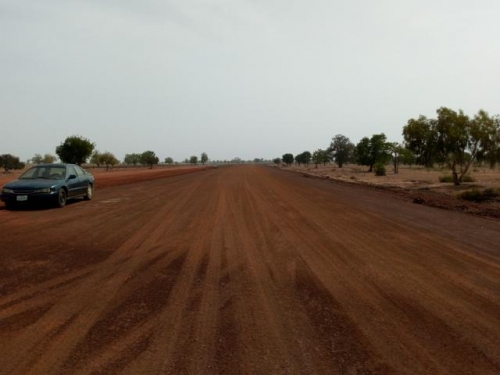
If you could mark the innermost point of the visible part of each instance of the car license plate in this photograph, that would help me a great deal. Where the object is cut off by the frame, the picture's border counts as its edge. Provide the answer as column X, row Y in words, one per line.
column 22, row 198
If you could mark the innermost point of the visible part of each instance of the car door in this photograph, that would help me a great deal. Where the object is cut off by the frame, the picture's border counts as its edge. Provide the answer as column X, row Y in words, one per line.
column 72, row 181
column 82, row 180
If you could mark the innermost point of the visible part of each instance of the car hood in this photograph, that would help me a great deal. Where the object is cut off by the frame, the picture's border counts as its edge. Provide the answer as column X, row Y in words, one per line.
column 36, row 183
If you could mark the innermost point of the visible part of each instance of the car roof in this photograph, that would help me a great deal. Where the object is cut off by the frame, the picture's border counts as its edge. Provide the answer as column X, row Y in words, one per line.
column 53, row 165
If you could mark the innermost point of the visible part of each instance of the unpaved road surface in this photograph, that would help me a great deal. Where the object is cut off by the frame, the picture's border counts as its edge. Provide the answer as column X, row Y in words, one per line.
column 248, row 270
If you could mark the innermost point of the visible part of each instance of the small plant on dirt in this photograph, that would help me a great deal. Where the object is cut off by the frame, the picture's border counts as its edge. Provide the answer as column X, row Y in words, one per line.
column 465, row 178
column 445, row 179
column 476, row 195
column 379, row 170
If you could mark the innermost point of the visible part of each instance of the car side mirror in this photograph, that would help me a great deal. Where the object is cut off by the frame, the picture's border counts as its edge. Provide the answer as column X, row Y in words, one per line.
column 72, row 177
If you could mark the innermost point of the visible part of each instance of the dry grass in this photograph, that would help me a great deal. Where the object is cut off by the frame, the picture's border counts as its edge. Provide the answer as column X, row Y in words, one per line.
column 412, row 178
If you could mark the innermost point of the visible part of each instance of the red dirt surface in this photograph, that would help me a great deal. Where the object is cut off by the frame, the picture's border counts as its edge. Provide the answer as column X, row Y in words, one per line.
column 248, row 270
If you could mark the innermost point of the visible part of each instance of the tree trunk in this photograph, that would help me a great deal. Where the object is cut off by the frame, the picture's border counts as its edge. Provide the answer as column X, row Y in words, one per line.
column 456, row 180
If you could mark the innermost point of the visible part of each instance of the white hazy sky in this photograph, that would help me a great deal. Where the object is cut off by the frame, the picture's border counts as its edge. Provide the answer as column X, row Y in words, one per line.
column 237, row 78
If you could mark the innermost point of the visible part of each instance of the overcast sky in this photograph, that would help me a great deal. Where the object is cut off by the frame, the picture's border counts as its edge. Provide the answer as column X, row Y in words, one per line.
column 237, row 78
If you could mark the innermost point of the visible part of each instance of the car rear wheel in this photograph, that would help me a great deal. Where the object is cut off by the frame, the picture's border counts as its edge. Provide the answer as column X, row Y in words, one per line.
column 61, row 198
column 90, row 191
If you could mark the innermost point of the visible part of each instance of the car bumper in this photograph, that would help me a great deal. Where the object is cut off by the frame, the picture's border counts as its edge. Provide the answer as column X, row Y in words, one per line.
column 25, row 199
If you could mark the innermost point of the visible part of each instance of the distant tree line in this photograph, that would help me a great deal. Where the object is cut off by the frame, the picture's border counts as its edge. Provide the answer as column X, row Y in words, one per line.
column 452, row 139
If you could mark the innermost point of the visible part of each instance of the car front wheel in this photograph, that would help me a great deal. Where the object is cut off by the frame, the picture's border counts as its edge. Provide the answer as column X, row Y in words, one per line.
column 61, row 198
column 88, row 194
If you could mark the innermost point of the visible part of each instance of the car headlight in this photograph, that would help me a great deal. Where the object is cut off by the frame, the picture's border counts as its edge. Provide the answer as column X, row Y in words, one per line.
column 44, row 190
column 8, row 191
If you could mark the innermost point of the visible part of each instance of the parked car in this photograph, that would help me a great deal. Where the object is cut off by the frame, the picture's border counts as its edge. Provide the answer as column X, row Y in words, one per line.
column 49, row 183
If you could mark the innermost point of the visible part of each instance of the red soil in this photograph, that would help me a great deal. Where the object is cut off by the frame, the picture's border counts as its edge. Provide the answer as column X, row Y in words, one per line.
column 247, row 270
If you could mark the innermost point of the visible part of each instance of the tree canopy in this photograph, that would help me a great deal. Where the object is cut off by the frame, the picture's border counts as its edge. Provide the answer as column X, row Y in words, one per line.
column 204, row 158
column 193, row 160
column 454, row 139
column 149, row 158
column 287, row 158
column 320, row 157
column 105, row 158
column 371, row 151
column 9, row 162
column 341, row 149
column 303, row 158
column 75, row 149
column 132, row 159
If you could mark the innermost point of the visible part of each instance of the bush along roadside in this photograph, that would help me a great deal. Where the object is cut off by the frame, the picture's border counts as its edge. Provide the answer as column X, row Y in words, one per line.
column 476, row 195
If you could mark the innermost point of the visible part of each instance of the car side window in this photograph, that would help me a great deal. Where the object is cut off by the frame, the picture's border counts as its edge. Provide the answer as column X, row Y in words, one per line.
column 71, row 170
column 79, row 171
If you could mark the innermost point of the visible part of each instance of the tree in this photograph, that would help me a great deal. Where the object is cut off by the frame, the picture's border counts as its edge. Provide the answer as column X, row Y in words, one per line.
column 490, row 140
column 108, row 159
column 372, row 151
column 49, row 158
column 193, row 160
column 396, row 151
column 169, row 160
column 132, row 159
column 303, row 158
column 37, row 159
column 420, row 136
column 149, row 158
column 75, row 149
column 277, row 161
column 96, row 158
column 204, row 158
column 320, row 157
column 461, row 141
column 287, row 159
column 105, row 158
column 454, row 140
column 9, row 162
column 341, row 149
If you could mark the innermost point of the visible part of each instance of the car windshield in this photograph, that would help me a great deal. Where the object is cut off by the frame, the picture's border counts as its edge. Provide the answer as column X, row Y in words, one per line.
column 45, row 172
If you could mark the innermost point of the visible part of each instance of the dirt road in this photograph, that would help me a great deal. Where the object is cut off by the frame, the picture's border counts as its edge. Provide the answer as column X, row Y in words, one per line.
column 248, row 270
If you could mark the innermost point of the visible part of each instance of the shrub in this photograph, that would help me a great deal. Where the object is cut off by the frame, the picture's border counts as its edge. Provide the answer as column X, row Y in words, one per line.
column 445, row 179
column 379, row 170
column 465, row 178
column 478, row 195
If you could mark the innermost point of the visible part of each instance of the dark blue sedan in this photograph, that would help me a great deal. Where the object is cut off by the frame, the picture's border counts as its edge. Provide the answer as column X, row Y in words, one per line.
column 52, row 183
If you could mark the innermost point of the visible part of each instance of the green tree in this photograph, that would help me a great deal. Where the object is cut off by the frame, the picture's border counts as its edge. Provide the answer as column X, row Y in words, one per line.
column 461, row 140
column 397, row 152
column 132, row 159
column 204, row 158
column 149, row 158
column 287, row 159
column 9, row 162
column 75, row 149
column 108, row 159
column 96, row 158
column 420, row 137
column 277, row 161
column 105, row 158
column 37, row 159
column 303, row 158
column 372, row 151
column 169, row 160
column 341, row 149
column 320, row 157
column 193, row 160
